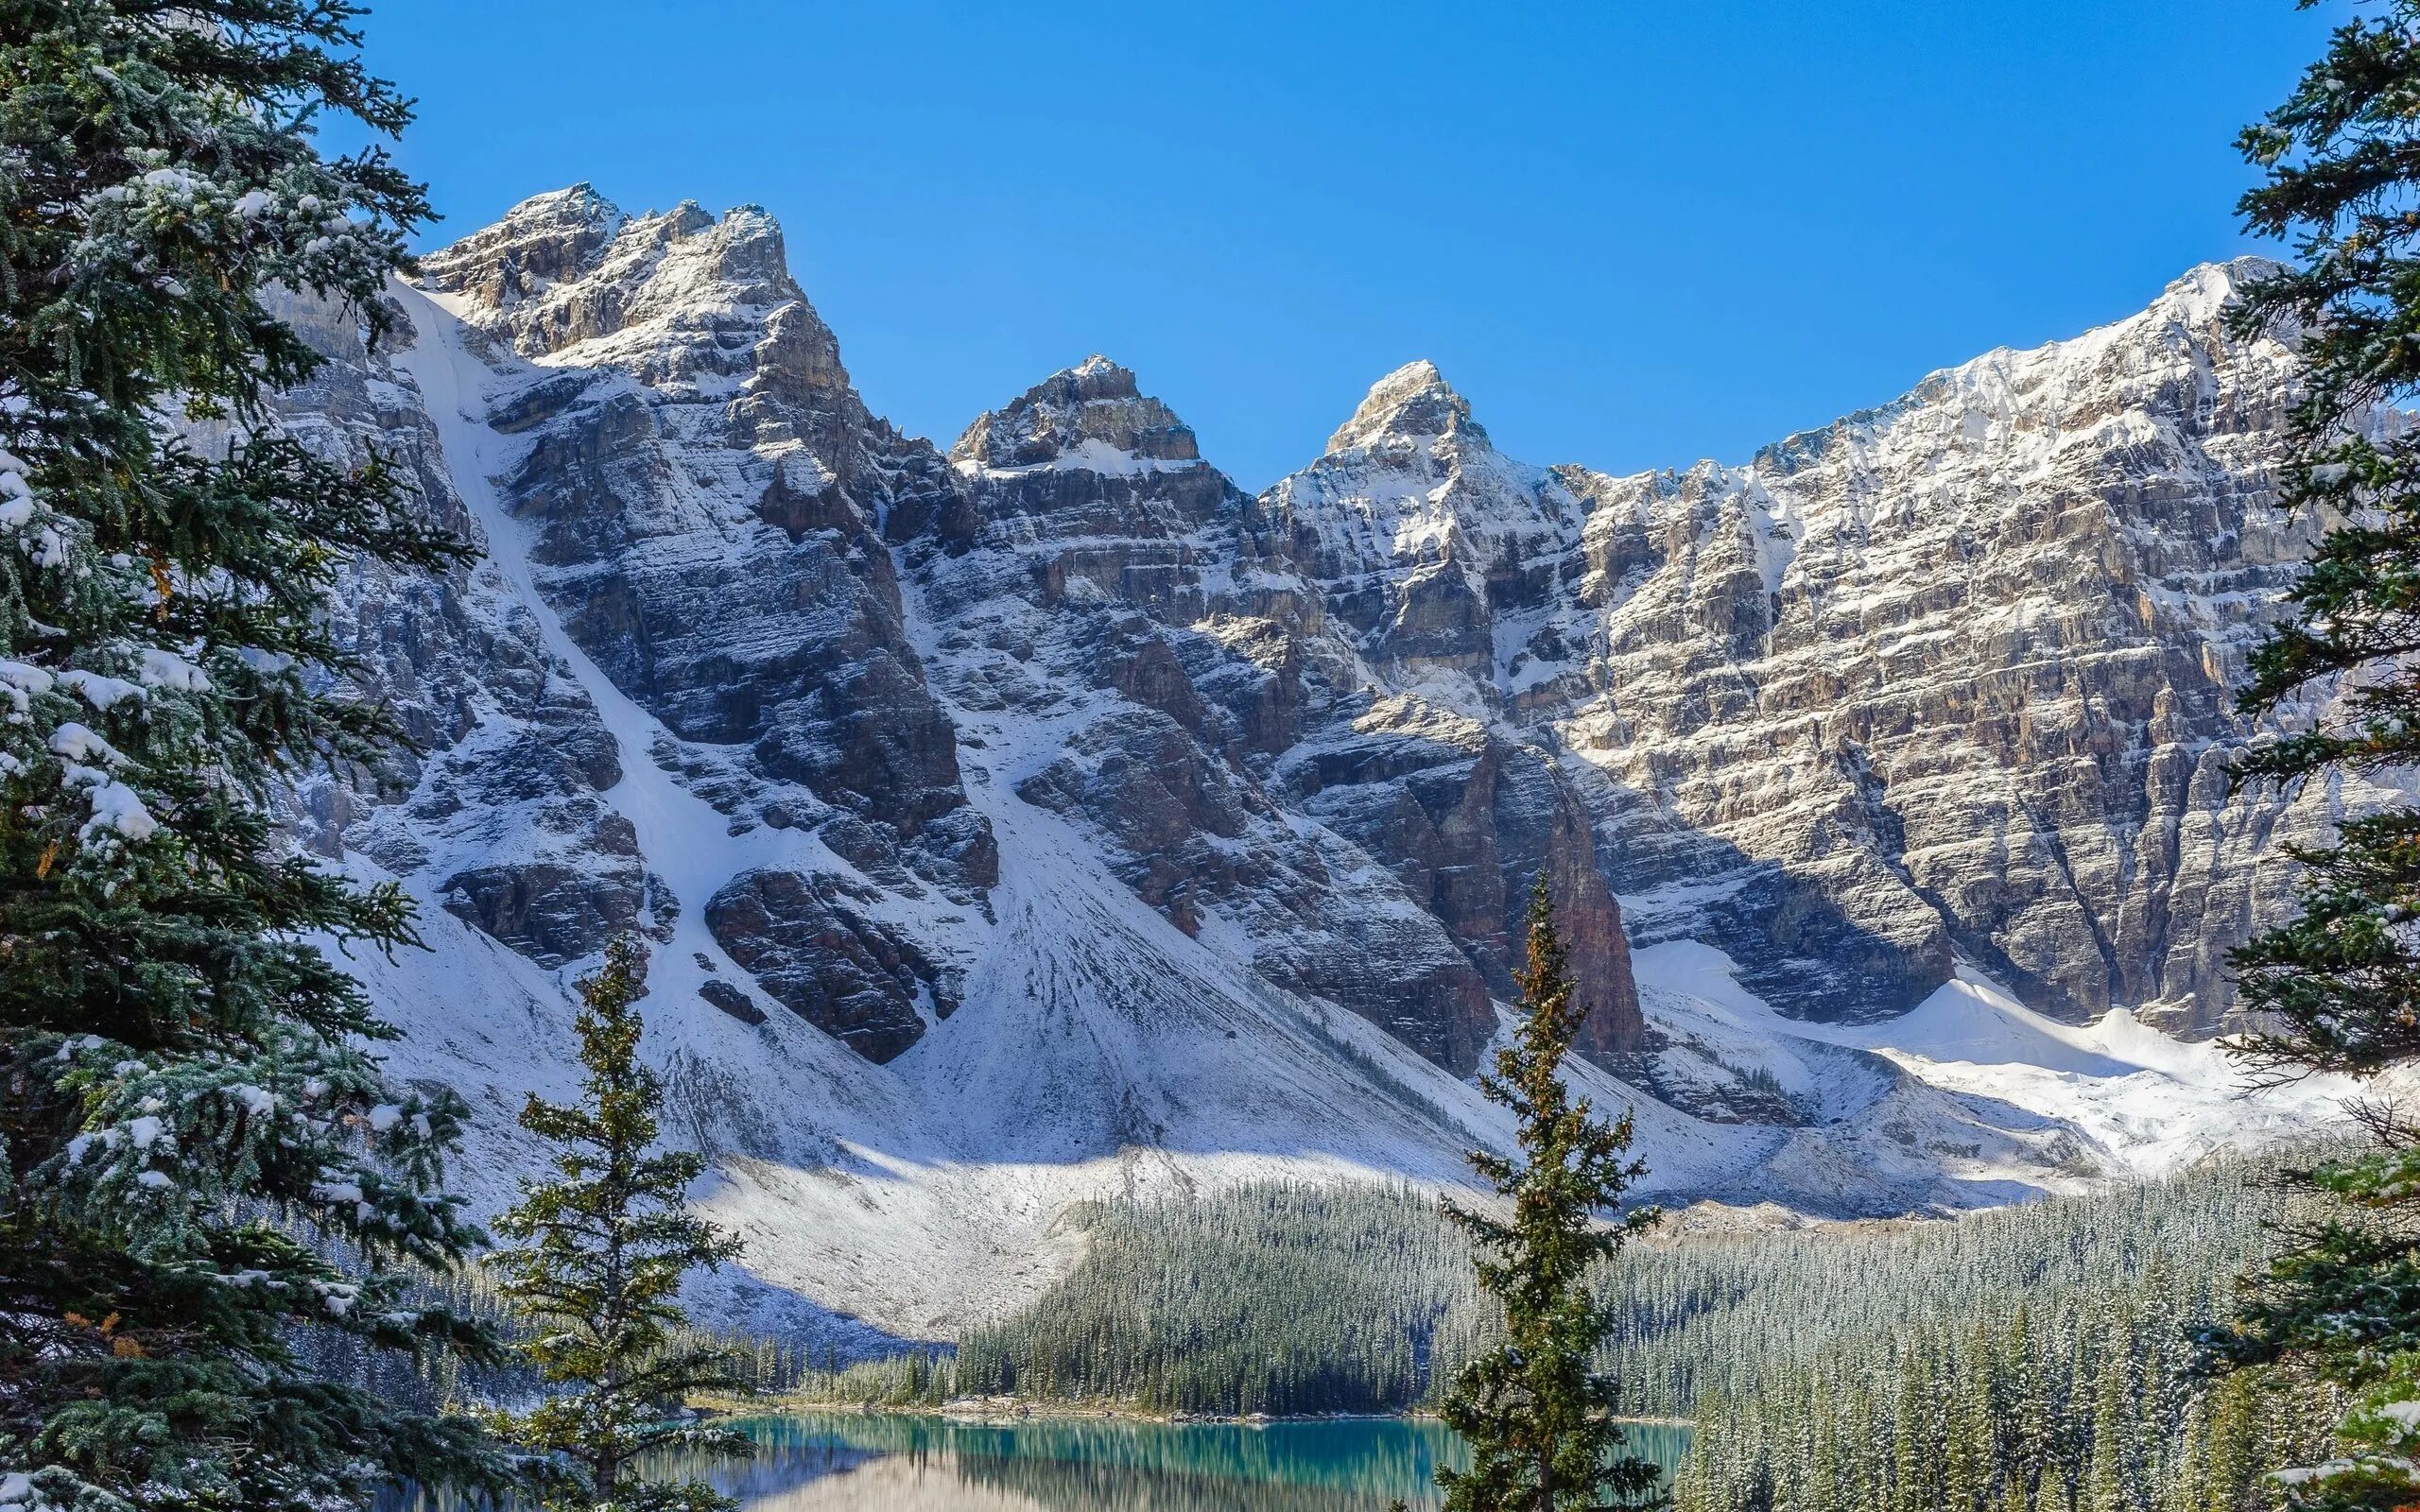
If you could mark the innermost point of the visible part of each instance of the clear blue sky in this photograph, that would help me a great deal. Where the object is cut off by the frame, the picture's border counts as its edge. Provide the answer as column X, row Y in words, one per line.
column 1634, row 234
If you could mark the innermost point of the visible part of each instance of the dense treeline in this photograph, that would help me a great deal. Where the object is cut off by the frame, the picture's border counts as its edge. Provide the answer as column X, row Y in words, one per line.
column 2033, row 1359
column 2101, row 1415
column 1723, row 1317
column 1286, row 1298
column 2094, row 1406
column 1274, row 1299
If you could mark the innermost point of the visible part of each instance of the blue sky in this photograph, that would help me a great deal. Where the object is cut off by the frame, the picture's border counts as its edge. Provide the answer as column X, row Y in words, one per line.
column 1634, row 234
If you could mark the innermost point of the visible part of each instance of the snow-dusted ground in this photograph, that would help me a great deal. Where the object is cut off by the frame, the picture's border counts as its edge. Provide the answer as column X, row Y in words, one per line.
column 2117, row 1094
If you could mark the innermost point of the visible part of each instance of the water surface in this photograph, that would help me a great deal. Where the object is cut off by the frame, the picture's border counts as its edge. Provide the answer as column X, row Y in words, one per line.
column 899, row 1463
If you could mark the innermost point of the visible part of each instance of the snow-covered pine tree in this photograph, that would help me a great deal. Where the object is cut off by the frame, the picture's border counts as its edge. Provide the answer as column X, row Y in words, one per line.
column 186, row 1085
column 595, row 1266
column 1537, row 1414
column 2340, row 984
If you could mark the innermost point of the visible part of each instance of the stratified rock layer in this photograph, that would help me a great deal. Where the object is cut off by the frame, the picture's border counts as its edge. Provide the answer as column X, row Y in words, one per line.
column 1951, row 678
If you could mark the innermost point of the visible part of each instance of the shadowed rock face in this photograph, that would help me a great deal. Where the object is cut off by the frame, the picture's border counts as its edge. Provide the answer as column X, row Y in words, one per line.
column 699, row 483
column 811, row 948
column 1110, row 564
column 1240, row 635
column 559, row 911
column 1466, row 817
column 498, row 808
column 1424, row 546
column 732, row 1000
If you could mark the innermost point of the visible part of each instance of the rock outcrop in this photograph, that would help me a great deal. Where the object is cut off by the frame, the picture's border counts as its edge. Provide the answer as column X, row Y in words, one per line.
column 809, row 945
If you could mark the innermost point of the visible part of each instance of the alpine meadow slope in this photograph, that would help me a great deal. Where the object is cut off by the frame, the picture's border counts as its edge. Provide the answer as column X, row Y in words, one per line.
column 1046, row 818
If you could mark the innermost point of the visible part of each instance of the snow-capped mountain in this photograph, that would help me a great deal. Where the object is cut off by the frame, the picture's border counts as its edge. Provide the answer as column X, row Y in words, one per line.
column 1047, row 817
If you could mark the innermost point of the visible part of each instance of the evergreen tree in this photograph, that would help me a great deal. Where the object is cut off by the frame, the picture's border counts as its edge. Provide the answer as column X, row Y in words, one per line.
column 1536, row 1413
column 2341, row 979
column 190, row 1123
column 2231, row 1451
column 2109, row 1470
column 2058, row 1491
column 1970, row 1446
column 2340, row 984
column 596, row 1262
column 1910, row 1456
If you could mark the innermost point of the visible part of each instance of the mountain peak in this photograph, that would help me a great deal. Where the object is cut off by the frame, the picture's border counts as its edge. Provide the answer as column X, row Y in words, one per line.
column 579, row 204
column 541, row 241
column 2206, row 289
column 1096, row 407
column 1095, row 380
column 1414, row 400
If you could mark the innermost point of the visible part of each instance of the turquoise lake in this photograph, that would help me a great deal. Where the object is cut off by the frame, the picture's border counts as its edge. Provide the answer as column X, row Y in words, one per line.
column 886, row 1463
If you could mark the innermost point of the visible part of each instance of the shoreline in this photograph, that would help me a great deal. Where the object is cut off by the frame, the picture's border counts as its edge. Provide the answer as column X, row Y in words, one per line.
column 1006, row 1410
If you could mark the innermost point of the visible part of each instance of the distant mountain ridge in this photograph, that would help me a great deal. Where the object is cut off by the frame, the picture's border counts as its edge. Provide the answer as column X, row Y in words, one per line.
column 1047, row 816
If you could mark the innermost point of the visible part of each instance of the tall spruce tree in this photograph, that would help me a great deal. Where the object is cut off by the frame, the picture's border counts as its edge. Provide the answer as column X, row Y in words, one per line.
column 183, row 1087
column 596, row 1265
column 1536, row 1413
column 2340, row 984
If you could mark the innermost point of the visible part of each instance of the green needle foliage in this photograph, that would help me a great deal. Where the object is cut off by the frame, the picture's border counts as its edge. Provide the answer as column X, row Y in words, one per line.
column 596, row 1265
column 2340, row 986
column 186, row 1085
column 1536, row 1412
column 2343, row 158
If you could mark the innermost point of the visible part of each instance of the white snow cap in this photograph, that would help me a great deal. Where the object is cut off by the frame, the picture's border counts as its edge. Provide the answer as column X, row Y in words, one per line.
column 1414, row 400
column 579, row 204
column 2203, row 292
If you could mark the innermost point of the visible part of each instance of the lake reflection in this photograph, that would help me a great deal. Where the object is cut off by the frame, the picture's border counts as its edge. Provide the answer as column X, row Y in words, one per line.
column 884, row 1463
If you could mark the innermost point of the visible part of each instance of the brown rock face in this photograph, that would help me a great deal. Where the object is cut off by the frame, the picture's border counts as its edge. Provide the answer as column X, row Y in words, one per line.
column 1591, row 923
column 1467, row 818
column 810, row 946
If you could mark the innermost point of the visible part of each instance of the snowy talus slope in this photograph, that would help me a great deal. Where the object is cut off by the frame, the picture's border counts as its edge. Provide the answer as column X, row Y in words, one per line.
column 1047, row 818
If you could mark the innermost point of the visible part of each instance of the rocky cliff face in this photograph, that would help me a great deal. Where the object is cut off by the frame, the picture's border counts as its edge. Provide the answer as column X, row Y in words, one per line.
column 705, row 496
column 1051, row 805
column 1432, row 555
column 1093, row 622
column 1949, row 679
